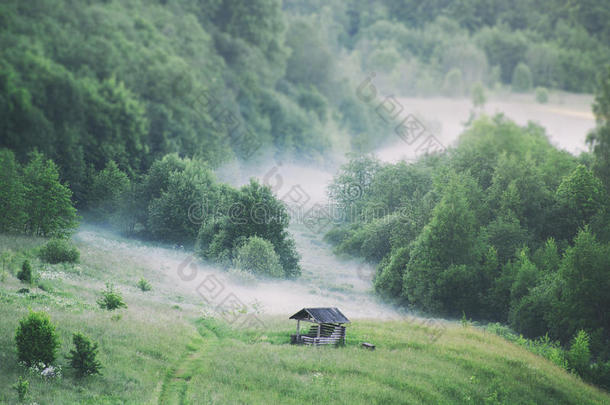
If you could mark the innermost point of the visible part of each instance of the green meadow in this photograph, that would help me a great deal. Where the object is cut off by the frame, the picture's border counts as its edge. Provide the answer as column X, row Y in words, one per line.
column 165, row 349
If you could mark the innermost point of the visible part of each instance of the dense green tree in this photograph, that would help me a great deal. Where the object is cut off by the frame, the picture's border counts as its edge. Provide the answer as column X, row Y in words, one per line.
column 12, row 202
column 504, row 48
column 522, row 78
column 445, row 245
column 258, row 22
column 108, row 188
column 506, row 235
column 48, row 203
column 388, row 279
column 579, row 197
column 250, row 211
column 175, row 216
column 579, row 355
column 547, row 257
column 311, row 60
column 583, row 293
column 352, row 184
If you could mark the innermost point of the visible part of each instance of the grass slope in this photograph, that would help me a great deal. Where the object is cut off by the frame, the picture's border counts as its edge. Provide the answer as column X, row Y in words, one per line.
column 161, row 350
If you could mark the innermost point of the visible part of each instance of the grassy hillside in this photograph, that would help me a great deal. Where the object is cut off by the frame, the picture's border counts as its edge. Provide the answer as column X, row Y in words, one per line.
column 167, row 348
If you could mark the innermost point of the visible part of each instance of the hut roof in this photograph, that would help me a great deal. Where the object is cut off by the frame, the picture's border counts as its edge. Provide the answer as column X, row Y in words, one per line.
column 321, row 315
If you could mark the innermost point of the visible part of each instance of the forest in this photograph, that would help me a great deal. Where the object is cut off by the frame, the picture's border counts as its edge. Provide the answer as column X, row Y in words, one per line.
column 123, row 116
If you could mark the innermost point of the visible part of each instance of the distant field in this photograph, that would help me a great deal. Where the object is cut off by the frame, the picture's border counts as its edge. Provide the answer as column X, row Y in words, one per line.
column 167, row 349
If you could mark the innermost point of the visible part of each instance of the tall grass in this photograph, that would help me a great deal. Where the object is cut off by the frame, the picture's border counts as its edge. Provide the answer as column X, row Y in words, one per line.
column 161, row 350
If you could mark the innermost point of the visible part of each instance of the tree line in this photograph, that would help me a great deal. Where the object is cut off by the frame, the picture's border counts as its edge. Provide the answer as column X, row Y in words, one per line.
column 504, row 227
column 86, row 83
column 448, row 46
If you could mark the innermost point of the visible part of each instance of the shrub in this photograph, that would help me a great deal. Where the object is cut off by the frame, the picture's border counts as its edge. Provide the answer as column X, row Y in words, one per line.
column 111, row 299
column 579, row 355
column 59, row 251
column 144, row 285
column 36, row 339
column 22, row 387
column 25, row 274
column 83, row 356
column 257, row 256
column 542, row 95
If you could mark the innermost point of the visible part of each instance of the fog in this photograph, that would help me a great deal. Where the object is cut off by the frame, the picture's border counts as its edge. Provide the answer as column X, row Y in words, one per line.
column 327, row 280
column 567, row 119
column 177, row 276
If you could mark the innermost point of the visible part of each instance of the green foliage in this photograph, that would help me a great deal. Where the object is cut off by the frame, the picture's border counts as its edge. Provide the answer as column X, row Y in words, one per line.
column 257, row 256
column 176, row 213
column 12, row 195
column 22, row 387
column 599, row 139
column 108, row 189
column 250, row 211
column 503, row 227
column 25, row 274
column 59, row 251
column 36, row 339
column 388, row 280
column 522, row 78
column 583, row 293
column 579, row 355
column 48, row 202
column 352, row 184
column 311, row 60
column 111, row 299
column 579, row 197
column 542, row 95
column 34, row 199
column 441, row 251
column 144, row 285
column 478, row 95
column 83, row 356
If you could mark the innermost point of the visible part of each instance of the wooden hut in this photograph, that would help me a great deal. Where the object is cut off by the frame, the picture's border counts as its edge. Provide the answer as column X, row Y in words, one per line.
column 327, row 328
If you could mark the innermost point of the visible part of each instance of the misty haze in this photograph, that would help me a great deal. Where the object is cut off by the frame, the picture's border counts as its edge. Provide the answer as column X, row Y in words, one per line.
column 304, row 202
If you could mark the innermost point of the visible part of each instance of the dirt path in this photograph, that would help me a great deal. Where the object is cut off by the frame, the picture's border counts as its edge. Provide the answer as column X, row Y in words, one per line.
column 174, row 389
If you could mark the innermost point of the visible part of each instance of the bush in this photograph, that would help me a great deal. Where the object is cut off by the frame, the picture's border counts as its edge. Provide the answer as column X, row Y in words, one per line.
column 542, row 95
column 111, row 299
column 22, row 387
column 144, row 285
column 59, row 251
column 36, row 339
column 83, row 356
column 522, row 78
column 257, row 256
column 25, row 274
